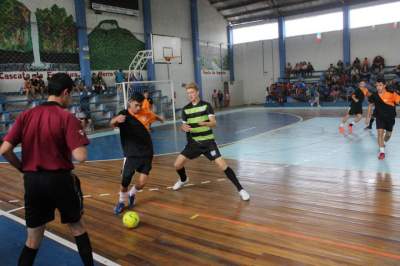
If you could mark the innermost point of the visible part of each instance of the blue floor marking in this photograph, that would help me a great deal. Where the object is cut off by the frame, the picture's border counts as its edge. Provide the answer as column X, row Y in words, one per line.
column 13, row 237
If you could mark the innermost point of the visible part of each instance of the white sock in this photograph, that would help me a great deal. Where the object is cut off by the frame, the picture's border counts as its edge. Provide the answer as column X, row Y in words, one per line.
column 132, row 191
column 123, row 196
column 381, row 149
column 341, row 124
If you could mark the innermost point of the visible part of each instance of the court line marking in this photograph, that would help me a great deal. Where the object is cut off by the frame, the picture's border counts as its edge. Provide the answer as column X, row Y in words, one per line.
column 266, row 229
column 16, row 209
column 153, row 189
column 194, row 216
column 206, row 182
column 87, row 196
column 221, row 179
column 189, row 185
column 13, row 201
column 60, row 240
column 104, row 194
column 244, row 130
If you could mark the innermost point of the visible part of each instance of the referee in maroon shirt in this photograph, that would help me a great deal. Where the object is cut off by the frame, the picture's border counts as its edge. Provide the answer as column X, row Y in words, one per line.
column 50, row 136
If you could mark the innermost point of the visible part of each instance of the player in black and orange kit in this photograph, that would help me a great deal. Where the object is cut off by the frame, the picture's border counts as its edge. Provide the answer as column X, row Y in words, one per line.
column 357, row 99
column 385, row 109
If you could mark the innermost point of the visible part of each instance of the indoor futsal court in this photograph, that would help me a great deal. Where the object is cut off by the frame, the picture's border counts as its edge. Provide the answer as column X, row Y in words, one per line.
column 199, row 132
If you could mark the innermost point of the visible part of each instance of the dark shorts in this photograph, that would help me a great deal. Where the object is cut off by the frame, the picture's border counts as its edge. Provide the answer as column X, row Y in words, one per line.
column 209, row 150
column 385, row 123
column 46, row 191
column 140, row 164
column 355, row 110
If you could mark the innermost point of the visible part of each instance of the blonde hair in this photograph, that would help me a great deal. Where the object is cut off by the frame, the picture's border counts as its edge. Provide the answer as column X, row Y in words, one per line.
column 192, row 85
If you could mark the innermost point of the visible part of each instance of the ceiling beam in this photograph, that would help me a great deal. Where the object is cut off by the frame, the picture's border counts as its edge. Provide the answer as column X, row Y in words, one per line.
column 323, row 7
column 213, row 2
column 248, row 12
column 241, row 4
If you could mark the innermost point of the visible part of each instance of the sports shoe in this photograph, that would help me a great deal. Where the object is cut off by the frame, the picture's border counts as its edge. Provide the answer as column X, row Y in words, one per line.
column 368, row 128
column 381, row 156
column 178, row 185
column 341, row 130
column 244, row 195
column 350, row 129
column 131, row 201
column 119, row 208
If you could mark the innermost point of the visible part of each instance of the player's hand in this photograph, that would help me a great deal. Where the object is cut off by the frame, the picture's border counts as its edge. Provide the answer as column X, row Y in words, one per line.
column 202, row 123
column 121, row 118
column 186, row 128
column 367, row 121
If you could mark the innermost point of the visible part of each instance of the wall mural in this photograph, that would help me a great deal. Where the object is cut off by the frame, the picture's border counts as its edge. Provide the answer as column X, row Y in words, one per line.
column 112, row 47
column 45, row 39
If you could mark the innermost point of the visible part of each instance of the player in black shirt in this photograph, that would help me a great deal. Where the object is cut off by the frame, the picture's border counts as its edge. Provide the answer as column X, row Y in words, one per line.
column 198, row 120
column 138, row 150
column 357, row 99
column 385, row 113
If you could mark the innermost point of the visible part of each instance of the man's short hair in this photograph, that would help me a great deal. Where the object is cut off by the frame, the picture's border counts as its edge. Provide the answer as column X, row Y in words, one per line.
column 192, row 85
column 58, row 83
column 138, row 97
column 381, row 80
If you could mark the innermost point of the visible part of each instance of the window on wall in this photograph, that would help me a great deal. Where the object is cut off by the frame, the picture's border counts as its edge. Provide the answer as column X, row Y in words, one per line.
column 255, row 33
column 314, row 24
column 375, row 15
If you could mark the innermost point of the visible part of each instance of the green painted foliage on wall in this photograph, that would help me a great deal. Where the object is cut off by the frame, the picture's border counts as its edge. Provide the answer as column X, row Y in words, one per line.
column 57, row 30
column 14, row 27
column 112, row 47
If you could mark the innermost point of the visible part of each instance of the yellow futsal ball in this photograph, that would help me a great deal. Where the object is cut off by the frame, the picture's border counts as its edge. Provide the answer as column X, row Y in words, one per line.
column 130, row 219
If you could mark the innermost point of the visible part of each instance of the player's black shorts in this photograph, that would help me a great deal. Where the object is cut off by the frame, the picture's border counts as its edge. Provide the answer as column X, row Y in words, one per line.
column 385, row 123
column 208, row 149
column 132, row 164
column 355, row 109
column 46, row 191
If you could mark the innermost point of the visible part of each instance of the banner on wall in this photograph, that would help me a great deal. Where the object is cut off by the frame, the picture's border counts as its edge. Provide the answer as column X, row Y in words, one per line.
column 13, row 81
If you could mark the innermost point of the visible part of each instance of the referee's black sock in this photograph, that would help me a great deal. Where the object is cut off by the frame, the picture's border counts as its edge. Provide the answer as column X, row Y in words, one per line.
column 27, row 256
column 182, row 174
column 85, row 249
column 231, row 175
column 371, row 121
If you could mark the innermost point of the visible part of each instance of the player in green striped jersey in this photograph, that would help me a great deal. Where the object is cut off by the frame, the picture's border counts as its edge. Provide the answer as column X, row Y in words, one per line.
column 198, row 119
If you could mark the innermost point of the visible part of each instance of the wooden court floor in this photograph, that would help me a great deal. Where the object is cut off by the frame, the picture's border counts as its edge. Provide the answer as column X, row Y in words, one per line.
column 296, row 216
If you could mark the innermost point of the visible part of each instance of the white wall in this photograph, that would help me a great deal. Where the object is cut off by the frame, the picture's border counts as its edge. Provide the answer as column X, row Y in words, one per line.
column 254, row 70
column 305, row 48
column 382, row 40
column 212, row 26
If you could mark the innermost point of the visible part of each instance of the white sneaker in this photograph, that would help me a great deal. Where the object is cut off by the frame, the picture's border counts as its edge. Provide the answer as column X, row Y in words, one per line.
column 244, row 195
column 179, row 184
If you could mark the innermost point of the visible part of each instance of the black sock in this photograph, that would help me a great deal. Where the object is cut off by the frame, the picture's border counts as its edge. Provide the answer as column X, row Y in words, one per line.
column 231, row 175
column 182, row 174
column 85, row 249
column 27, row 256
column 371, row 121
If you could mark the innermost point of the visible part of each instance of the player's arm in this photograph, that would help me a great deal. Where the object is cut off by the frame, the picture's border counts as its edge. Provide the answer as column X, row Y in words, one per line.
column 369, row 113
column 396, row 98
column 354, row 97
column 80, row 154
column 117, row 120
column 7, row 151
column 159, row 118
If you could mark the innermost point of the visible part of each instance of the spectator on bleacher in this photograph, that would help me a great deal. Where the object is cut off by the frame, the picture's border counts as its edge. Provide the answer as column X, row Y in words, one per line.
column 214, row 97
column 340, row 67
column 27, row 86
column 310, row 69
column 331, row 70
column 220, row 99
column 83, row 113
column 314, row 96
column 227, row 98
column 347, row 69
column 335, row 93
column 357, row 63
column 365, row 63
column 304, row 68
column 268, row 96
column 378, row 64
column 364, row 73
column 288, row 70
column 34, row 86
column 42, row 86
column 355, row 75
column 98, row 84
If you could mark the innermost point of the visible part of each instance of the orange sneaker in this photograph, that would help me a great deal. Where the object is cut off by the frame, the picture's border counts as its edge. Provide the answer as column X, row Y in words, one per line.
column 350, row 129
column 341, row 130
column 381, row 156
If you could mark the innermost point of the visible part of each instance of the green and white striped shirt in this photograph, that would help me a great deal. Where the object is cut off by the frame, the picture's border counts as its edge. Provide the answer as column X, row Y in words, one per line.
column 193, row 115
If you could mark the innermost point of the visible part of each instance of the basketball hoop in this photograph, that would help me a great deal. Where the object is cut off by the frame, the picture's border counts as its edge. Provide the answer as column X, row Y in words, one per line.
column 169, row 58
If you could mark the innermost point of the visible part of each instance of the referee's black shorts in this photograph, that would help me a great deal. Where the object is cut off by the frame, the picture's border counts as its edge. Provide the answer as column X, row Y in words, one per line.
column 208, row 149
column 46, row 191
column 355, row 109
